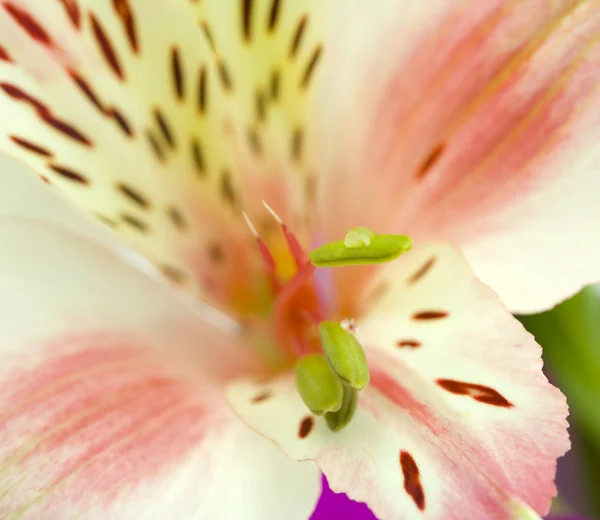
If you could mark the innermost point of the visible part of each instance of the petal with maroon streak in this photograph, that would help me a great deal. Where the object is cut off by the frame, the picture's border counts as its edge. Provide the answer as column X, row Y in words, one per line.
column 463, row 427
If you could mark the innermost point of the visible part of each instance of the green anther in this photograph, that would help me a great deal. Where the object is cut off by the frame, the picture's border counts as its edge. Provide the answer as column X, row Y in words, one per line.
column 340, row 419
column 361, row 246
column 318, row 385
column 345, row 354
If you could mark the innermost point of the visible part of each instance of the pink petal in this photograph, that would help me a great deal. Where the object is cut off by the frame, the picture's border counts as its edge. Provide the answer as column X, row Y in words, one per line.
column 478, row 124
column 458, row 422
column 111, row 403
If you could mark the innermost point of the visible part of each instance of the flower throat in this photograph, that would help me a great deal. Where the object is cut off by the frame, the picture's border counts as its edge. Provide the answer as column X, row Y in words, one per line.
column 330, row 364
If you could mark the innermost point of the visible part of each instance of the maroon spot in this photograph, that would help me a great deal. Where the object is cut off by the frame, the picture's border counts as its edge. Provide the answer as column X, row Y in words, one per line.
column 106, row 220
column 66, row 129
column 297, row 144
column 254, row 141
column 261, row 105
column 310, row 68
column 177, row 73
column 297, row 40
column 67, row 173
column 430, row 161
column 155, row 146
column 429, row 315
column 247, row 19
column 202, row 95
column 198, row 157
column 45, row 179
column 227, row 190
column 422, row 271
column 4, row 56
column 175, row 275
column 29, row 24
column 85, row 87
column 412, row 479
column 261, row 397
column 44, row 113
column 481, row 393
column 134, row 222
column 274, row 86
column 164, row 127
column 126, row 15
column 28, row 145
column 111, row 112
column 208, row 34
column 133, row 195
column 106, row 47
column 72, row 10
column 20, row 95
column 225, row 77
column 176, row 218
column 412, row 343
column 216, row 253
column 306, row 427
column 119, row 118
column 274, row 14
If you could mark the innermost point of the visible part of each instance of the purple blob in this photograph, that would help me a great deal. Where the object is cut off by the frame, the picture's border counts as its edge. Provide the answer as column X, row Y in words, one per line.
column 337, row 505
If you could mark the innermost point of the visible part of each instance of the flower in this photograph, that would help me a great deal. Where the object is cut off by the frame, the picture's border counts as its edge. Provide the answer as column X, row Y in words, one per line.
column 122, row 396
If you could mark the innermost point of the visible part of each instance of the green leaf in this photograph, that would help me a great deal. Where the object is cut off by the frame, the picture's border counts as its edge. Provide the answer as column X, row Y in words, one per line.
column 570, row 337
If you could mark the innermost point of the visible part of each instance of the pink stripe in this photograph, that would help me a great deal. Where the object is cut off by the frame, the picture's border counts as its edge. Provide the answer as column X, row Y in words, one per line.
column 97, row 423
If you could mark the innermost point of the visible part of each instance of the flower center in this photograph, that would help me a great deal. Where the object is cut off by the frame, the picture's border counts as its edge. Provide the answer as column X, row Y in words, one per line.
column 330, row 364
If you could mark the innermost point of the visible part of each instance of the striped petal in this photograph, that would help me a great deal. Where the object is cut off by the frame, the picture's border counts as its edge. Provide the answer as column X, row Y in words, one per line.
column 478, row 124
column 458, row 422
column 111, row 402
column 273, row 50
column 126, row 108
column 23, row 195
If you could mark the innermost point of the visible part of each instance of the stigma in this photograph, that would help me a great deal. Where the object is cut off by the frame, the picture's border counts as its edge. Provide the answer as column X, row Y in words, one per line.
column 330, row 364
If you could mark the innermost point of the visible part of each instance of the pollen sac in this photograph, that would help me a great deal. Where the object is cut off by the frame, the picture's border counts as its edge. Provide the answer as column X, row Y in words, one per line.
column 344, row 353
column 340, row 419
column 361, row 246
column 318, row 385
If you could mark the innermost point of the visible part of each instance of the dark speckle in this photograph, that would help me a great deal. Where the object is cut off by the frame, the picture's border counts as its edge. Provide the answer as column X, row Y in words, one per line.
column 429, row 315
column 410, row 343
column 430, row 160
column 306, row 427
column 263, row 396
column 412, row 479
column 422, row 271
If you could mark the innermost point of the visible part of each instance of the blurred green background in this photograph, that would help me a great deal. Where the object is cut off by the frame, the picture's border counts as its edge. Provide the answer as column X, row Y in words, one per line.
column 570, row 337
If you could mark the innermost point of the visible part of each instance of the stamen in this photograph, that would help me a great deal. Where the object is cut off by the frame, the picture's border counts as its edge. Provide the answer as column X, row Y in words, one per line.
column 265, row 254
column 361, row 246
column 317, row 385
column 340, row 419
column 296, row 249
column 345, row 354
